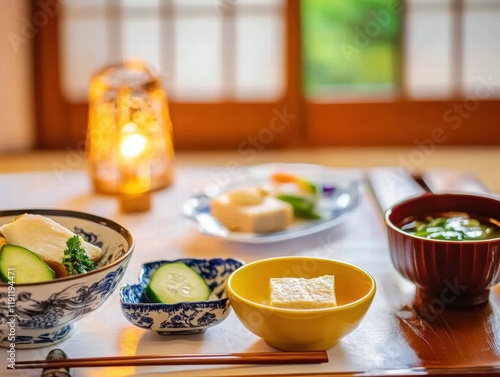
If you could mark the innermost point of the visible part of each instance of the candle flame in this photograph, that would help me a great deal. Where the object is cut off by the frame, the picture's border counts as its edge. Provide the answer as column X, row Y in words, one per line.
column 132, row 144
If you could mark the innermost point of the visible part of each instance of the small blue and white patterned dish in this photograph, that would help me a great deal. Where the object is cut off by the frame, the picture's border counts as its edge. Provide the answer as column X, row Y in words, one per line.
column 182, row 317
column 41, row 314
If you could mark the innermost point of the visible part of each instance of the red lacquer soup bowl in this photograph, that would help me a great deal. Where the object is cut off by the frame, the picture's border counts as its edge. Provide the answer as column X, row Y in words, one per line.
column 447, row 273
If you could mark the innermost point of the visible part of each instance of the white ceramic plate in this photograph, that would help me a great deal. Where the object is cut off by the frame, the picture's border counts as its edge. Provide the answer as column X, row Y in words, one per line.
column 339, row 197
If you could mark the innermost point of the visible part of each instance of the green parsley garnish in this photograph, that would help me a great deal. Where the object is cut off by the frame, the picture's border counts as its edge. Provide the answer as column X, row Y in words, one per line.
column 75, row 258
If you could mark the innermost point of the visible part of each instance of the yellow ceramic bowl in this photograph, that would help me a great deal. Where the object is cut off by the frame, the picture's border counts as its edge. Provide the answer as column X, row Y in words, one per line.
column 300, row 329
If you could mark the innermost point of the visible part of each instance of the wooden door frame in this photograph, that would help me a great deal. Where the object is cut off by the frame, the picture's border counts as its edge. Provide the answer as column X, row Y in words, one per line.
column 289, row 122
column 469, row 120
column 219, row 125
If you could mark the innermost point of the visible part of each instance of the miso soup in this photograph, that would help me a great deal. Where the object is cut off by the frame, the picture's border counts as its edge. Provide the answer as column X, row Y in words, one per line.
column 453, row 226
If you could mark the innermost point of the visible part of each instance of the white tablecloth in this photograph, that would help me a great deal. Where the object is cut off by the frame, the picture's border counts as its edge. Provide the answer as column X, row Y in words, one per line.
column 163, row 233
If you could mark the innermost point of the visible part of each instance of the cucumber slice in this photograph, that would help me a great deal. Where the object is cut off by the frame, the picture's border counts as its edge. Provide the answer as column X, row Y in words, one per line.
column 176, row 282
column 20, row 265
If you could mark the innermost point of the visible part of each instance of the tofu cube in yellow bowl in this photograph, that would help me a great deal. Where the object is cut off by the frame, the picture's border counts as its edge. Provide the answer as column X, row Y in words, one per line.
column 299, row 329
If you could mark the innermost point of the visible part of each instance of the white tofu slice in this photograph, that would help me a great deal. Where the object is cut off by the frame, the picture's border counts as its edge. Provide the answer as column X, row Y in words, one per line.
column 301, row 293
column 269, row 215
column 45, row 237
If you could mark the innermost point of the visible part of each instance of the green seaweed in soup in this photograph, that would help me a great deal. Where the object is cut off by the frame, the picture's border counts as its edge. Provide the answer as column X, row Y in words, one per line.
column 455, row 227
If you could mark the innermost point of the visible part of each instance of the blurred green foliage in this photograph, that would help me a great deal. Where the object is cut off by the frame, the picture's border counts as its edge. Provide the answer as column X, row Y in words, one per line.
column 350, row 45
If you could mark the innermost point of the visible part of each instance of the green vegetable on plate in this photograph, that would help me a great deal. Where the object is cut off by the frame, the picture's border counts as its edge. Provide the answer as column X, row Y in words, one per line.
column 302, row 207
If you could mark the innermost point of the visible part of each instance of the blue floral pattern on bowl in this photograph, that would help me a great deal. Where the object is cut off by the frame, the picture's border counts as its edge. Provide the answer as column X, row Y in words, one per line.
column 183, row 317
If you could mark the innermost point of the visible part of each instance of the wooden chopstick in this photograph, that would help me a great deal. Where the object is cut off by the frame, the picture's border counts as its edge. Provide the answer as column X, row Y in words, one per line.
column 411, row 372
column 306, row 357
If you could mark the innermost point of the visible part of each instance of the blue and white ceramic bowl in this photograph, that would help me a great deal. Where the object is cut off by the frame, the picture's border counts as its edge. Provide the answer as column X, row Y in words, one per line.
column 41, row 314
column 183, row 317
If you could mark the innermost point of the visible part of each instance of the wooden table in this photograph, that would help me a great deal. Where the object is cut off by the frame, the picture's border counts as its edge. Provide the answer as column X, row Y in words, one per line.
column 395, row 335
column 482, row 161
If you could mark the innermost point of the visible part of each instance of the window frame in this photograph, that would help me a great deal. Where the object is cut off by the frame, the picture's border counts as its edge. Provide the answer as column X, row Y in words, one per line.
column 212, row 125
column 292, row 121
column 404, row 121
